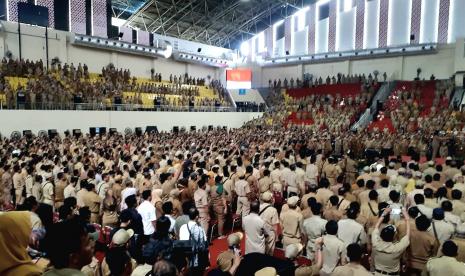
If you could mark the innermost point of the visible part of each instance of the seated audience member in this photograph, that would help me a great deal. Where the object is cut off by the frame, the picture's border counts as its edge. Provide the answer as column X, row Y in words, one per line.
column 15, row 230
column 69, row 248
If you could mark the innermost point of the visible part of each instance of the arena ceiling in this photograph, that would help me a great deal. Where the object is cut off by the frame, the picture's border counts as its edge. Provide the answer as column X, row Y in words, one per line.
column 224, row 23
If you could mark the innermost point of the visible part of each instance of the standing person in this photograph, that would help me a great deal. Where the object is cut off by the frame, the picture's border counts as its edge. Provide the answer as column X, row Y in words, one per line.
column 270, row 215
column 441, row 229
column 313, row 228
column 242, row 189
column 201, row 203
column 333, row 249
column 255, row 229
column 60, row 190
column 70, row 189
column 48, row 191
column 194, row 231
column 18, row 184
column 68, row 253
column 386, row 252
column 423, row 246
column 93, row 201
column 109, row 206
column 291, row 223
column 147, row 212
column 219, row 203
column 349, row 230
column 15, row 231
column 353, row 268
column 446, row 264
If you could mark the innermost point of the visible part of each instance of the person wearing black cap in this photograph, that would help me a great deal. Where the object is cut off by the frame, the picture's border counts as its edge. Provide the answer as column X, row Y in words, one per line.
column 387, row 253
column 446, row 264
column 441, row 229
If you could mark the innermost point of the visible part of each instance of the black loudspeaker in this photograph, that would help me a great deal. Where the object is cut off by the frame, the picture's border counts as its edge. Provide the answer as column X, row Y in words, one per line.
column 61, row 12
column 199, row 50
column 176, row 129
column 287, row 53
column 109, row 15
column 151, row 39
column 412, row 37
column 134, row 36
column 138, row 131
column 52, row 133
column 120, row 35
column 92, row 131
column 193, row 128
column 150, row 129
column 113, row 131
column 210, row 128
column 31, row 14
column 27, row 133
column 77, row 133
column 88, row 17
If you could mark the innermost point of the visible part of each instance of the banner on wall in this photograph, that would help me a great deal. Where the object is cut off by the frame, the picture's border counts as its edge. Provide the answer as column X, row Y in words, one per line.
column 238, row 79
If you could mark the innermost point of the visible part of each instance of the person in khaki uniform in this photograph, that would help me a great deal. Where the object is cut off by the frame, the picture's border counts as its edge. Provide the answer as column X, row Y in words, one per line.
column 92, row 200
column 334, row 251
column 331, row 171
column 423, row 246
column 291, row 223
column 242, row 189
column 313, row 228
column 18, row 184
column 264, row 183
column 270, row 215
column 446, row 264
column 60, row 190
column 201, row 203
column 353, row 268
column 387, row 253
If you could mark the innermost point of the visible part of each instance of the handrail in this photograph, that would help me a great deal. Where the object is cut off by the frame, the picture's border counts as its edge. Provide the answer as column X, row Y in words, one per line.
column 121, row 107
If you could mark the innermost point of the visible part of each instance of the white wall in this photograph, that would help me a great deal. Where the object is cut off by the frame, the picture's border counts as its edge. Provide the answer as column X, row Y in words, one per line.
column 61, row 46
column 429, row 21
column 300, row 42
column 321, row 36
column 345, row 33
column 449, row 59
column 399, row 22
column 371, row 26
column 457, row 20
column 37, row 120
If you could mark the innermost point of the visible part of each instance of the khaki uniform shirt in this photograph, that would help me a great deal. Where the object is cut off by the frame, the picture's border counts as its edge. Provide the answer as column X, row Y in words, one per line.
column 351, row 269
column 422, row 247
column 313, row 227
column 387, row 254
column 201, row 201
column 333, row 252
column 460, row 242
column 350, row 231
column 92, row 200
column 445, row 266
column 306, row 271
column 255, row 229
column 270, row 215
column 323, row 195
column 48, row 190
column 291, row 222
column 264, row 184
column 60, row 191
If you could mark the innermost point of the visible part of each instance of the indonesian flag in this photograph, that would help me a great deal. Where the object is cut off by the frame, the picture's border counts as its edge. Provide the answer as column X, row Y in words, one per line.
column 239, row 79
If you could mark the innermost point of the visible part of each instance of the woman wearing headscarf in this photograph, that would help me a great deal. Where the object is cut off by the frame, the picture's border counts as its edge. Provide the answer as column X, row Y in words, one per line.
column 15, row 229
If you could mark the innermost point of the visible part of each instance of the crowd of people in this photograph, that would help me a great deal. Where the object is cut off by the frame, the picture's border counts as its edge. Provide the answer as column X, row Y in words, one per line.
column 70, row 87
column 311, row 194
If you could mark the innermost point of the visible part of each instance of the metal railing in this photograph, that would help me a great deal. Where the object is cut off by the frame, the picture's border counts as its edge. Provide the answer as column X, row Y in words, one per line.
column 118, row 107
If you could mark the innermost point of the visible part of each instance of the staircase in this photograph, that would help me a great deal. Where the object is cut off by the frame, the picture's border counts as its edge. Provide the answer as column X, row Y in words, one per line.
column 370, row 113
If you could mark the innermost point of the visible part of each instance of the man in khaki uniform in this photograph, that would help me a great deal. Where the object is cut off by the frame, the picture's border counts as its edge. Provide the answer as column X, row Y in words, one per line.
column 446, row 264
column 255, row 229
column 459, row 240
column 313, row 228
column 385, row 252
column 18, row 184
column 423, row 246
column 201, row 203
column 353, row 268
column 60, row 190
column 93, row 201
column 242, row 189
column 331, row 171
column 334, row 251
column 349, row 166
column 264, row 183
column 48, row 191
column 323, row 193
column 270, row 215
column 291, row 223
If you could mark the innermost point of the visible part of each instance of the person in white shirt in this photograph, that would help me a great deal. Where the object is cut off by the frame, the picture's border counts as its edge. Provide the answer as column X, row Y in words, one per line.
column 70, row 189
column 147, row 212
column 167, row 208
column 103, row 186
column 192, row 227
column 129, row 190
column 311, row 172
